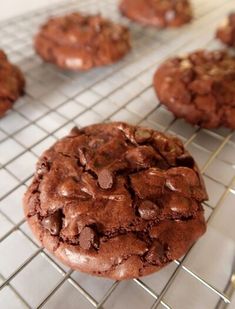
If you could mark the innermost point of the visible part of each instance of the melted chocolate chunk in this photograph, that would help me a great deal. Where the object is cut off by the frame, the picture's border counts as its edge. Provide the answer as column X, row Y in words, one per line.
column 148, row 210
column 142, row 157
column 88, row 238
column 180, row 204
column 178, row 183
column 185, row 160
column 105, row 179
column 53, row 223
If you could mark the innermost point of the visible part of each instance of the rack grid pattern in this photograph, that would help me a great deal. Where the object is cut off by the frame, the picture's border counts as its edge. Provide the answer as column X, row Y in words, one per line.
column 54, row 102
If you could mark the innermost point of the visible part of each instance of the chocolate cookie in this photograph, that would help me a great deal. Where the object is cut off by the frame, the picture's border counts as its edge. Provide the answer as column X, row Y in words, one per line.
column 11, row 83
column 199, row 87
column 226, row 32
column 77, row 42
column 116, row 200
column 159, row 13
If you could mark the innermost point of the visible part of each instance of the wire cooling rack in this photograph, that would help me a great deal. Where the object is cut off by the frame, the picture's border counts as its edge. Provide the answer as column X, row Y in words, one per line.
column 55, row 101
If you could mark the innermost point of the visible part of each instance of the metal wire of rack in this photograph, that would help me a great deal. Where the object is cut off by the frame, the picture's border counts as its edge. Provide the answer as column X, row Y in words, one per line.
column 55, row 101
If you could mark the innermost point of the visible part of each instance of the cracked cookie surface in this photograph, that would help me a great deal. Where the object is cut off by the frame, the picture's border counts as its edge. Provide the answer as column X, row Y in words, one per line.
column 77, row 42
column 159, row 13
column 12, row 83
column 116, row 200
column 199, row 87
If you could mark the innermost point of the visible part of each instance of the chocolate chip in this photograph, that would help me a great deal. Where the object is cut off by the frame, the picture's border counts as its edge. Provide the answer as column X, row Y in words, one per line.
column 84, row 221
column 148, row 184
column 185, row 160
column 189, row 175
column 179, row 204
column 177, row 183
column 148, row 210
column 141, row 156
column 141, row 135
column 88, row 238
column 156, row 254
column 53, row 223
column 105, row 179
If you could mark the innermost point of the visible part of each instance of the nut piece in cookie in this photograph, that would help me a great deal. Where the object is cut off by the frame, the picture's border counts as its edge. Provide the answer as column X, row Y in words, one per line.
column 12, row 83
column 116, row 200
column 158, row 13
column 77, row 42
column 199, row 87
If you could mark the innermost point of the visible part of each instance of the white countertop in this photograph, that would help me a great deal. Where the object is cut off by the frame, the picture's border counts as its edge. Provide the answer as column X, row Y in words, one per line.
column 11, row 8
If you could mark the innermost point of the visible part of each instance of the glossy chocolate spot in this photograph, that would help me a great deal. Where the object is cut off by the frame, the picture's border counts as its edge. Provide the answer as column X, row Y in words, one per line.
column 88, row 238
column 179, row 204
column 68, row 187
column 177, row 183
column 143, row 156
column 148, row 210
column 148, row 184
column 53, row 223
column 188, row 174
